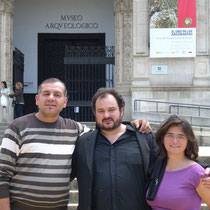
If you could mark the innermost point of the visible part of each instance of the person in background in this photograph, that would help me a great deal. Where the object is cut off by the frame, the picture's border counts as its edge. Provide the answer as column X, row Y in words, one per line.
column 5, row 91
column 36, row 153
column 18, row 96
column 4, row 99
column 176, row 178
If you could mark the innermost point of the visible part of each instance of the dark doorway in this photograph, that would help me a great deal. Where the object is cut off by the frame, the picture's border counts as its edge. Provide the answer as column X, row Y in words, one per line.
column 87, row 68
column 51, row 53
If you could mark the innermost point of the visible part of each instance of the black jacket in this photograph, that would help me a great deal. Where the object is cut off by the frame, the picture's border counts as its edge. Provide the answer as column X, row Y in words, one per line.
column 156, row 176
column 18, row 94
column 82, row 163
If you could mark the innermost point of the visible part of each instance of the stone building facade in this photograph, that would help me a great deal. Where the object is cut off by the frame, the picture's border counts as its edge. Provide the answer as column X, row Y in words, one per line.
column 188, row 79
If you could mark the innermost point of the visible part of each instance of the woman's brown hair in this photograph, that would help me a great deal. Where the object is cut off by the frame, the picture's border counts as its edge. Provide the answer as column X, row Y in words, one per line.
column 19, row 84
column 191, row 150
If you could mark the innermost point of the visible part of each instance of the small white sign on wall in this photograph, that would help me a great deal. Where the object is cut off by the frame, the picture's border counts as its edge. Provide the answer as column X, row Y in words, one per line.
column 76, row 109
column 159, row 69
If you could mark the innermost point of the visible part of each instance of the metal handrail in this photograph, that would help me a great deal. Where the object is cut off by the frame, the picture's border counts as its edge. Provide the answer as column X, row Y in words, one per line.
column 171, row 105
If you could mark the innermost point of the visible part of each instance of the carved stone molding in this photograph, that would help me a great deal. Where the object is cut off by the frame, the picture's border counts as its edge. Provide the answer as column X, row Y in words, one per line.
column 123, row 41
column 118, row 47
column 6, row 39
column 123, row 5
column 128, row 46
column 6, row 5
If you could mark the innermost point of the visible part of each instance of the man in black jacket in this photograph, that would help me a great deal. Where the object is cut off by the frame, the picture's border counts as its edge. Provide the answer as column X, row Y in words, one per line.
column 111, row 163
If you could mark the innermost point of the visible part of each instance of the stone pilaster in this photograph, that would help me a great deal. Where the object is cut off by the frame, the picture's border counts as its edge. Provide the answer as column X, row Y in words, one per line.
column 123, row 50
column 6, row 40
column 6, row 50
column 140, row 44
column 123, row 42
column 203, row 19
column 202, row 71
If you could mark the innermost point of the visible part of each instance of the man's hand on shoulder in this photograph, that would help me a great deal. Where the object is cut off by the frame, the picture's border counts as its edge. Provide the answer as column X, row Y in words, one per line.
column 142, row 125
column 206, row 179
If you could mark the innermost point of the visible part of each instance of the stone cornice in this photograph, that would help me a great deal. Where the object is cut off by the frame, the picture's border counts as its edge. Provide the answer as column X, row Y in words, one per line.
column 6, row 6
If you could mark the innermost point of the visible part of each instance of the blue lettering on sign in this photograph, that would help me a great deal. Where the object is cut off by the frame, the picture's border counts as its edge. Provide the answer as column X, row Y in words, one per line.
column 181, row 33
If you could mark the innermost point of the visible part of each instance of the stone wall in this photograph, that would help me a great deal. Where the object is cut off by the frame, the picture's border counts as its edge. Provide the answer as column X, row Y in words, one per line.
column 188, row 79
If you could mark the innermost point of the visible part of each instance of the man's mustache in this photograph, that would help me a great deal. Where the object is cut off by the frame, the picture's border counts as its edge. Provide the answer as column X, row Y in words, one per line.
column 109, row 118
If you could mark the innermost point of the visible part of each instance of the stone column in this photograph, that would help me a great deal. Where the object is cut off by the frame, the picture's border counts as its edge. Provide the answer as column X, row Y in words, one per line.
column 202, row 62
column 123, row 49
column 6, row 40
column 6, row 47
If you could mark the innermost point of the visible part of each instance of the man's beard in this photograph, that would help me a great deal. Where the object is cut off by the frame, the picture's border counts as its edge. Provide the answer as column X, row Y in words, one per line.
column 115, row 125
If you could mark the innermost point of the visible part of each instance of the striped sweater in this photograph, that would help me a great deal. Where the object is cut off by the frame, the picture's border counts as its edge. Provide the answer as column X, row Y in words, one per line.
column 35, row 161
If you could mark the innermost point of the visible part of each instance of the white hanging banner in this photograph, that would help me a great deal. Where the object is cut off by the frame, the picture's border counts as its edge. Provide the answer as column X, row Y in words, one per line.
column 172, row 28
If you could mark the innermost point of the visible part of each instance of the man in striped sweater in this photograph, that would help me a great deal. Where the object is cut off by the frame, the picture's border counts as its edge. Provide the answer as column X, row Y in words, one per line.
column 36, row 154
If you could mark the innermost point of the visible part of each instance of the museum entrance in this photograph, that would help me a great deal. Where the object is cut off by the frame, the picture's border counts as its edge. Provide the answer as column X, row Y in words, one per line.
column 82, row 62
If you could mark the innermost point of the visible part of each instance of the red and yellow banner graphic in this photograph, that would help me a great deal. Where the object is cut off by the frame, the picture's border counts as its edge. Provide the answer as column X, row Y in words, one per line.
column 186, row 13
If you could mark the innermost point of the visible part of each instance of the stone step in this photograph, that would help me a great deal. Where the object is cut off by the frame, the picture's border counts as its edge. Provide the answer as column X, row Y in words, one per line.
column 203, row 207
column 73, row 192
column 72, row 207
column 91, row 125
column 73, row 197
column 158, row 118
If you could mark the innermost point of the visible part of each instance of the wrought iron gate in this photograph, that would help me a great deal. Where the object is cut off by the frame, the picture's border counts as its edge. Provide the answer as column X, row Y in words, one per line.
column 87, row 68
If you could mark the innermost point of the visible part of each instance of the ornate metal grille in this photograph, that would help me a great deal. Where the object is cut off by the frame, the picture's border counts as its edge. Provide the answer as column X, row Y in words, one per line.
column 87, row 68
column 89, row 51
